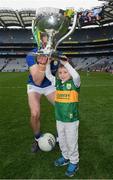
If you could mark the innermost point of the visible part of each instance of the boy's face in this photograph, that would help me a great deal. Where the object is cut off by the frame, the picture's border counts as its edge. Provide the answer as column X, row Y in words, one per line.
column 63, row 74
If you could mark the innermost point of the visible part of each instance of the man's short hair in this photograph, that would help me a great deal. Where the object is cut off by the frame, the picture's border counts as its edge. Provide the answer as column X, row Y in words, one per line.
column 43, row 34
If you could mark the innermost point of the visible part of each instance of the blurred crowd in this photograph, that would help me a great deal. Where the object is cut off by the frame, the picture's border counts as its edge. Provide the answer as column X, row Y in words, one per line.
column 90, row 16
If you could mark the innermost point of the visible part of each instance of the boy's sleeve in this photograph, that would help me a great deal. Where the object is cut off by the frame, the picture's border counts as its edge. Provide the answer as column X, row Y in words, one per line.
column 73, row 73
column 49, row 74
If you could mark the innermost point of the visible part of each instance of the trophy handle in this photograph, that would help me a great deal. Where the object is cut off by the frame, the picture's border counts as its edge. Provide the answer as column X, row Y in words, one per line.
column 71, row 30
column 33, row 29
column 33, row 25
column 35, row 34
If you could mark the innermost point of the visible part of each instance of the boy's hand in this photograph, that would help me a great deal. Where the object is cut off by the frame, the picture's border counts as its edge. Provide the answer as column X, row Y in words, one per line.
column 42, row 59
column 63, row 60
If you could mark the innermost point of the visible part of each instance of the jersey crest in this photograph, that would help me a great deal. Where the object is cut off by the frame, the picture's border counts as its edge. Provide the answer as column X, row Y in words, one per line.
column 68, row 85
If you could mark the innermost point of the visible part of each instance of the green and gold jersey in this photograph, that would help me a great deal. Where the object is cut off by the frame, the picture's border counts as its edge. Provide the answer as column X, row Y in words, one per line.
column 66, row 101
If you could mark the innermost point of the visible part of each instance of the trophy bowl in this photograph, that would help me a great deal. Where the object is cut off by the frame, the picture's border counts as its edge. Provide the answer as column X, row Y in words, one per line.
column 54, row 23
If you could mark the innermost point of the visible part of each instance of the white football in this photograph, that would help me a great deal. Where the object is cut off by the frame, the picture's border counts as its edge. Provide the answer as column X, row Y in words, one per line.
column 47, row 142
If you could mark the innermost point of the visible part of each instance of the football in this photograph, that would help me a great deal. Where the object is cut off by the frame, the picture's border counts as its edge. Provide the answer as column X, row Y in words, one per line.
column 47, row 142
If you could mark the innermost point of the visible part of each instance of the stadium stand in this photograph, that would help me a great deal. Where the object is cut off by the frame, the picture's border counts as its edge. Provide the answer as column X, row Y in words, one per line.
column 13, row 36
column 94, row 63
column 88, row 46
column 16, row 65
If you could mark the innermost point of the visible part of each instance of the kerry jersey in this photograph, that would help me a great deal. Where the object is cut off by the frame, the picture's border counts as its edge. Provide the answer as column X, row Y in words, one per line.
column 66, row 101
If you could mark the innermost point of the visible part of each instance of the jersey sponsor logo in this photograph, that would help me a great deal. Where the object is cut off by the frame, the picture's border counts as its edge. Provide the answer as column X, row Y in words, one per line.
column 66, row 96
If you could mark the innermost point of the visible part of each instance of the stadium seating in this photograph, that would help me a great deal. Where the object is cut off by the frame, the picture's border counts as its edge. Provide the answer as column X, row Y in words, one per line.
column 16, row 65
column 85, row 46
column 101, row 63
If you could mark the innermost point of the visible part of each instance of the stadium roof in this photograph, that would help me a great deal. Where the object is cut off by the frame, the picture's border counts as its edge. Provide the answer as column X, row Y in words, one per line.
column 17, row 18
column 23, row 18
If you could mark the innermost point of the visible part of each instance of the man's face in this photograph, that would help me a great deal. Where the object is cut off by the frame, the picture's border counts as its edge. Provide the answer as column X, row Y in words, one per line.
column 44, row 39
column 42, row 59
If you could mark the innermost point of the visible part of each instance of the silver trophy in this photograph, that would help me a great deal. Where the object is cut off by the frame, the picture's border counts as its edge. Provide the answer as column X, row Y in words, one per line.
column 56, row 23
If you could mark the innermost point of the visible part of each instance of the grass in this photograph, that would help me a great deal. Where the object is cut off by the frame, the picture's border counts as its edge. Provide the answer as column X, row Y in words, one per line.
column 95, row 133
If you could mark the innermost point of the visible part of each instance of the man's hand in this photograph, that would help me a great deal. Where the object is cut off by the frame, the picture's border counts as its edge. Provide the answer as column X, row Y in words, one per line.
column 42, row 59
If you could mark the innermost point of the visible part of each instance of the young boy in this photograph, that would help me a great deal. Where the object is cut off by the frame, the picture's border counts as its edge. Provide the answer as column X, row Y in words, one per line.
column 66, row 113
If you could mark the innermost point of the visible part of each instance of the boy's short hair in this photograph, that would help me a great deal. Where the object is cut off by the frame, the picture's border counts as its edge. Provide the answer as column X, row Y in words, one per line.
column 60, row 65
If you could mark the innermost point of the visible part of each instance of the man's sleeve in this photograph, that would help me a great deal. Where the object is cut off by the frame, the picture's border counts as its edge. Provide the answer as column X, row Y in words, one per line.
column 30, row 59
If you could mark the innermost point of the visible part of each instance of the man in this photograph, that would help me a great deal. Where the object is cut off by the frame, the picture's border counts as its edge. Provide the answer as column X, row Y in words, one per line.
column 38, row 85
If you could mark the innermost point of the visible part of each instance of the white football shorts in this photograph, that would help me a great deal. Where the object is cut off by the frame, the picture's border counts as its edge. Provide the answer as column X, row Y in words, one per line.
column 46, row 91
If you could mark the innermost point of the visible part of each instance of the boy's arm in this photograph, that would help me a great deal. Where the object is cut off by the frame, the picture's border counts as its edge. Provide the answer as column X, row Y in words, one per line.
column 72, row 72
column 49, row 74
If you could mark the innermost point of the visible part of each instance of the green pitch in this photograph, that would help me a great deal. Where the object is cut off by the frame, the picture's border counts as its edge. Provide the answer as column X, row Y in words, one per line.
column 95, row 133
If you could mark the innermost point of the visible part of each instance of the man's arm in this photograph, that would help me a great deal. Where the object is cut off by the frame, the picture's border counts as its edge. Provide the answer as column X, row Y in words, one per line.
column 38, row 73
column 38, row 70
